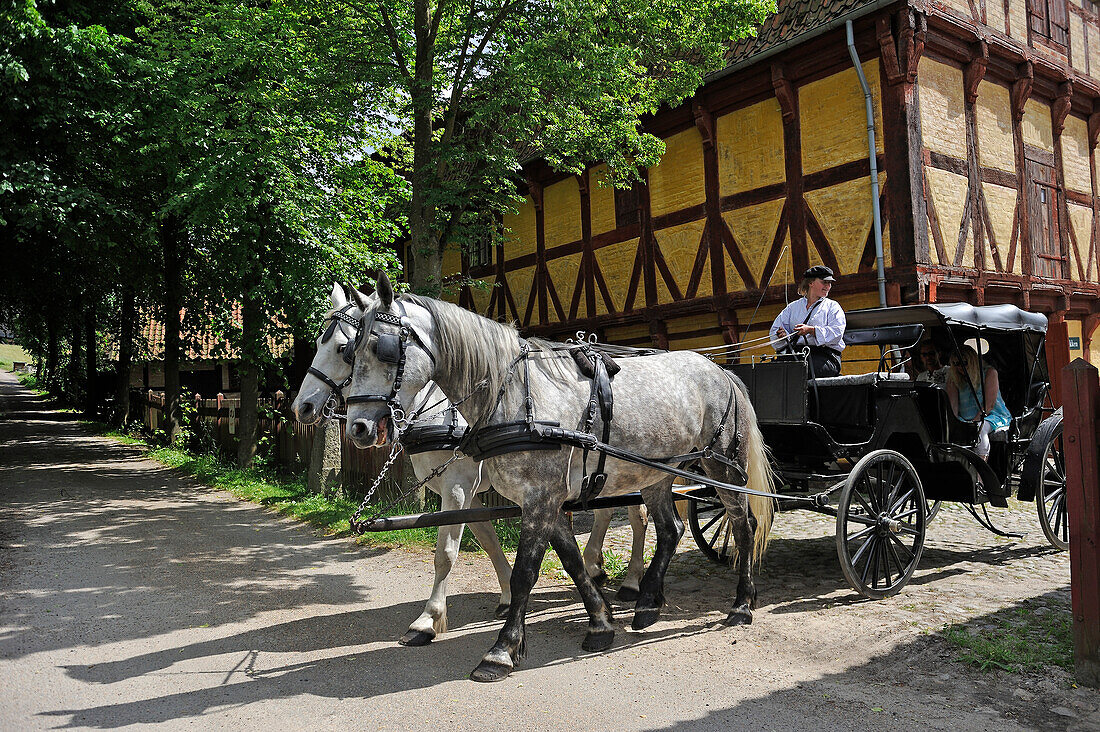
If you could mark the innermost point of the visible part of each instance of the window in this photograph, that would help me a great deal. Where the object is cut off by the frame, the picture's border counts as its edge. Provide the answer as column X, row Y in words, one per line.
column 481, row 254
column 626, row 206
column 1048, row 20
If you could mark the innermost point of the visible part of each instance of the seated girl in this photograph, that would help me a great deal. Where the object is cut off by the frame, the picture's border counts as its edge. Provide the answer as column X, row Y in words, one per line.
column 967, row 389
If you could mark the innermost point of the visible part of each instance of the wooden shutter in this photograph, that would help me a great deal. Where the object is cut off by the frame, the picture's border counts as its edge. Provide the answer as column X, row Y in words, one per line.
column 1059, row 21
column 1037, row 17
column 1046, row 246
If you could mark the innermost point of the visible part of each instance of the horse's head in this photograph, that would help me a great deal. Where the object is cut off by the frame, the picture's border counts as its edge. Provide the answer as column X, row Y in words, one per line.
column 330, row 371
column 393, row 360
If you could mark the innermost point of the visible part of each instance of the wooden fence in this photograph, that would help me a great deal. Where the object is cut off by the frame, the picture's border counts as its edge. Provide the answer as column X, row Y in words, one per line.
column 291, row 441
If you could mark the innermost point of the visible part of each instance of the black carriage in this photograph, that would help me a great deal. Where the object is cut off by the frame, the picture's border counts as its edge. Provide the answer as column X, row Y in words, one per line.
column 880, row 450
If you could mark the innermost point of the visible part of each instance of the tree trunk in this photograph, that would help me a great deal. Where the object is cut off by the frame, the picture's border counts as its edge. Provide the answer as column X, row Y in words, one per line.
column 91, row 376
column 127, row 325
column 427, row 274
column 76, row 361
column 252, row 341
column 52, row 349
column 171, row 235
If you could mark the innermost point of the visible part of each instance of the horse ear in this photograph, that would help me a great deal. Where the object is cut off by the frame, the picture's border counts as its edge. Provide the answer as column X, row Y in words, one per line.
column 337, row 296
column 358, row 298
column 384, row 290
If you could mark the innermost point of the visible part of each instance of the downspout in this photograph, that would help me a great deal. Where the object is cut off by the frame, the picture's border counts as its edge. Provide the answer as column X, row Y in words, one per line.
column 874, row 164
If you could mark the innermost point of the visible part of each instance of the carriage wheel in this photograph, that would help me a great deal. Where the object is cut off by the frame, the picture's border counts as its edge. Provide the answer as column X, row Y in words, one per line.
column 712, row 529
column 1050, row 493
column 880, row 524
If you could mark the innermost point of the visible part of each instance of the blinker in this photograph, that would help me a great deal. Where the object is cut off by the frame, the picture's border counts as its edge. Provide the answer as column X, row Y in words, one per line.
column 388, row 348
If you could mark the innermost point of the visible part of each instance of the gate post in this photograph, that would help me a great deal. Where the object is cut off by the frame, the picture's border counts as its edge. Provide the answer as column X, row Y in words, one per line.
column 1080, row 405
column 325, row 474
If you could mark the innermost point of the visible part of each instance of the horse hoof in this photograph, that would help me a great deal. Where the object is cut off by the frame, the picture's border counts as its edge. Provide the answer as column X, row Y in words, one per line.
column 600, row 578
column 645, row 617
column 490, row 671
column 502, row 611
column 627, row 594
column 739, row 616
column 598, row 640
column 416, row 638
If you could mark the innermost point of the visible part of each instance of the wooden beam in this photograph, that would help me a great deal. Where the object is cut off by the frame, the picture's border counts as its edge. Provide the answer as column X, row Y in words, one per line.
column 1081, row 402
column 711, row 241
column 1062, row 103
column 974, row 71
column 888, row 51
column 912, row 35
column 1021, row 88
column 784, row 93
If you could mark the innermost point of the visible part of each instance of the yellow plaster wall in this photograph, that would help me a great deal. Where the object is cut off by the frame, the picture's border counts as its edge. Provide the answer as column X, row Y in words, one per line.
column 750, row 147
column 942, row 116
column 993, row 114
column 627, row 333
column 844, row 212
column 1073, row 330
column 949, row 195
column 1017, row 19
column 1081, row 219
column 519, row 281
column 616, row 262
column 1094, row 50
column 679, row 344
column 677, row 181
column 562, row 206
column 519, row 230
column 1077, row 41
column 679, row 245
column 753, row 229
column 960, row 6
column 1001, row 202
column 995, row 16
column 833, row 118
column 1075, row 155
column 563, row 273
column 452, row 261
column 1036, row 125
column 482, row 296
column 601, row 198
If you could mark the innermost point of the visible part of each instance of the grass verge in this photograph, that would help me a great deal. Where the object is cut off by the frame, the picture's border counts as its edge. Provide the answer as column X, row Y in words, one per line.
column 1020, row 639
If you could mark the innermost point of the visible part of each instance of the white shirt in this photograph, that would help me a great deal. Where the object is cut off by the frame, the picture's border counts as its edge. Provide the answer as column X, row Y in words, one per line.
column 827, row 320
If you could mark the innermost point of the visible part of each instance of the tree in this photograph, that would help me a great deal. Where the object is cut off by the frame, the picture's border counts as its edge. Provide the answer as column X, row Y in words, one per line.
column 468, row 87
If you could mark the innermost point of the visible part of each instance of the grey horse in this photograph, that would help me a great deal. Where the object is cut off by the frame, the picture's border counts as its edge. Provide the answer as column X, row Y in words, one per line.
column 672, row 404
column 458, row 487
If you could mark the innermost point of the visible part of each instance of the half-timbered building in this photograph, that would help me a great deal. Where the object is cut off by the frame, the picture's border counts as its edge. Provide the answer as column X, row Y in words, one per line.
column 986, row 127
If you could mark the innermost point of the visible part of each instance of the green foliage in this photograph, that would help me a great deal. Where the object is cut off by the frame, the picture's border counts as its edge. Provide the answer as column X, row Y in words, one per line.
column 468, row 92
column 1020, row 639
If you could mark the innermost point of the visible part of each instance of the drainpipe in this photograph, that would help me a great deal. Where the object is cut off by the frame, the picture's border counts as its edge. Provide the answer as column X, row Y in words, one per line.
column 874, row 164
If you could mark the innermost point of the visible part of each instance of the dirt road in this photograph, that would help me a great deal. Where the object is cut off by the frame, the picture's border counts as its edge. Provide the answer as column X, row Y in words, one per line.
column 133, row 597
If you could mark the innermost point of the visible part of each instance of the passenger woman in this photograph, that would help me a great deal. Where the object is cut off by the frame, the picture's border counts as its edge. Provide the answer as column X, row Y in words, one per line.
column 967, row 389
column 815, row 320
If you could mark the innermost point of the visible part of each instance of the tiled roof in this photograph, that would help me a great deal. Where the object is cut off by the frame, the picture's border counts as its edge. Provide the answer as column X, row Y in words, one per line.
column 792, row 19
column 206, row 345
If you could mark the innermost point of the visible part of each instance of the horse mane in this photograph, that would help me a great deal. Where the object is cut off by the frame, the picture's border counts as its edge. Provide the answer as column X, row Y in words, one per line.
column 470, row 348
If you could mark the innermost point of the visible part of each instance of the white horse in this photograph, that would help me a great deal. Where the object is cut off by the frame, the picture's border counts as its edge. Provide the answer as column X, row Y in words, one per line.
column 458, row 486
column 672, row 404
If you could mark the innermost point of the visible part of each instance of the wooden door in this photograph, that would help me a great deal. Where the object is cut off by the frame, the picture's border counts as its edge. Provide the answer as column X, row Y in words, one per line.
column 1046, row 248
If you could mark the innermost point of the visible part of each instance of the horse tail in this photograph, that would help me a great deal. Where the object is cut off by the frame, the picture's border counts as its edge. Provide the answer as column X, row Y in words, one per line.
column 761, row 477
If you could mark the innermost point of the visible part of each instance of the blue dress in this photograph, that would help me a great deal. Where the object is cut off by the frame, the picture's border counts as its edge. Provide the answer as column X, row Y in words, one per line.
column 999, row 418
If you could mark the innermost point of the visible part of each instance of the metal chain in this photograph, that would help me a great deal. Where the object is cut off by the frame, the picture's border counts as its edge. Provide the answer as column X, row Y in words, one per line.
column 356, row 523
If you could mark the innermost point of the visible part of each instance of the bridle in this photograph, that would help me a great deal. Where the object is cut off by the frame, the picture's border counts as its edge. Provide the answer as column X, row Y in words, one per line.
column 390, row 348
column 347, row 352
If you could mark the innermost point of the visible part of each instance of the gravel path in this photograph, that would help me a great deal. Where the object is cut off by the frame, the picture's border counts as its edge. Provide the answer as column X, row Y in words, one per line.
column 133, row 597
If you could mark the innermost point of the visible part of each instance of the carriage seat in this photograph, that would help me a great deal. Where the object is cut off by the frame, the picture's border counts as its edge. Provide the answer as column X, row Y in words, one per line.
column 860, row 379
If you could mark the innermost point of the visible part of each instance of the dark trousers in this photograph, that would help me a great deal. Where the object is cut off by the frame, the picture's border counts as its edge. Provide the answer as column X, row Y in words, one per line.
column 825, row 361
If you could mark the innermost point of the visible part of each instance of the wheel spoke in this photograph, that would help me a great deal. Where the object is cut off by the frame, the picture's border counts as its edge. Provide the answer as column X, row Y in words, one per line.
column 717, row 517
column 870, row 511
column 860, row 534
column 885, row 562
column 866, row 521
column 896, row 505
column 862, row 550
column 901, row 544
column 872, row 559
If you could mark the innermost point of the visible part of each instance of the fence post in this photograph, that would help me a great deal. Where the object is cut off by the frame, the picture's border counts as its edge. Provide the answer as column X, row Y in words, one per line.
column 325, row 473
column 1080, row 405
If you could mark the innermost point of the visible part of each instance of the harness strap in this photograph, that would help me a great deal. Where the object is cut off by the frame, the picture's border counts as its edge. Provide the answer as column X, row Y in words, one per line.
column 600, row 396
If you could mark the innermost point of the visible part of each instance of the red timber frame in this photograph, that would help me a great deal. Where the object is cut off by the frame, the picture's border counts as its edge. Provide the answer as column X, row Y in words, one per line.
column 779, row 78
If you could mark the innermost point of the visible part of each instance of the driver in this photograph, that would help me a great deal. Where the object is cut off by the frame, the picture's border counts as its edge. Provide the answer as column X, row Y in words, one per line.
column 814, row 320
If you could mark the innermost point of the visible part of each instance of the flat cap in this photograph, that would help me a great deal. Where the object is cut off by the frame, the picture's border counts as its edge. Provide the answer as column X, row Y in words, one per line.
column 819, row 271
